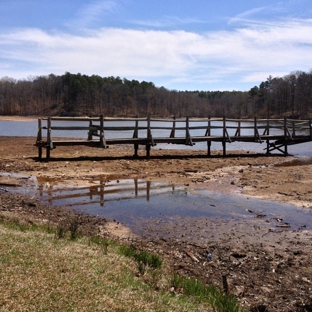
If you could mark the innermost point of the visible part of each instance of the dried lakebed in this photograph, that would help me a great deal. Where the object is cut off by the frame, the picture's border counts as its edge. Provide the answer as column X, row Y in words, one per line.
column 267, row 266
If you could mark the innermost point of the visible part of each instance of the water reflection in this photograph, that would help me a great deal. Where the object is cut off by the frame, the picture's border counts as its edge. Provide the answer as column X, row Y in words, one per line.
column 133, row 201
column 100, row 190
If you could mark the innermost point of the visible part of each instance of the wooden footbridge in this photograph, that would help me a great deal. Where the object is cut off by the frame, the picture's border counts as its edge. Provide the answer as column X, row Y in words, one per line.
column 102, row 132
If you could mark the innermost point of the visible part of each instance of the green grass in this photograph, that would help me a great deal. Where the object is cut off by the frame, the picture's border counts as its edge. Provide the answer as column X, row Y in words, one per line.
column 39, row 272
column 201, row 292
column 142, row 257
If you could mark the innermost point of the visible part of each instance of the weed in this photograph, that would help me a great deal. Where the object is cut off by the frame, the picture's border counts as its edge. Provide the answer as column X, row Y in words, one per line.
column 73, row 229
column 127, row 251
column 60, row 232
column 156, row 276
column 95, row 240
column 142, row 257
column 104, row 242
column 65, row 226
column 205, row 293
column 155, row 261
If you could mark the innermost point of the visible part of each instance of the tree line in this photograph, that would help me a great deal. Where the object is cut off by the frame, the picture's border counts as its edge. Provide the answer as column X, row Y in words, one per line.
column 80, row 95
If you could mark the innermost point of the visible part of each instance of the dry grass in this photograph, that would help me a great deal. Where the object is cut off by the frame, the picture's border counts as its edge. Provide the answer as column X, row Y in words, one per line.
column 41, row 273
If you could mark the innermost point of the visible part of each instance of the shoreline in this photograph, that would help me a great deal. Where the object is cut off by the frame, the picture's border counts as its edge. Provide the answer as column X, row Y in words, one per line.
column 18, row 118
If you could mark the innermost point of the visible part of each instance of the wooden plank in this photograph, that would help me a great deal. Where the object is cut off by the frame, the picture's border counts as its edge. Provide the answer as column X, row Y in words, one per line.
column 74, row 118
column 70, row 128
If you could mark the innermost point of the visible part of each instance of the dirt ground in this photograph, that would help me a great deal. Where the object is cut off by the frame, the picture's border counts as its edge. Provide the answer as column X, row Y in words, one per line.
column 267, row 268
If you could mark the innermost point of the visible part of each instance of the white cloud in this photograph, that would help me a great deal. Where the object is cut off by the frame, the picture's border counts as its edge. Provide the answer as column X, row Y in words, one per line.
column 91, row 12
column 167, row 21
column 243, row 54
column 272, row 10
column 243, row 16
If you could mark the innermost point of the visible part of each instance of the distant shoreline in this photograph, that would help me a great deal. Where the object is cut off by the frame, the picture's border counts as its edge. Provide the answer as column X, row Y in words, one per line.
column 18, row 118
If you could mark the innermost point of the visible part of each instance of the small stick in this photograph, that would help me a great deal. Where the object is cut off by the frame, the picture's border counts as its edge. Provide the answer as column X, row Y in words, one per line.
column 225, row 284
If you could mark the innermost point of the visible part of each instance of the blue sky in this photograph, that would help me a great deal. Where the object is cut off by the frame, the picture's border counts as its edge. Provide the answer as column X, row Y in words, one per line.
column 178, row 44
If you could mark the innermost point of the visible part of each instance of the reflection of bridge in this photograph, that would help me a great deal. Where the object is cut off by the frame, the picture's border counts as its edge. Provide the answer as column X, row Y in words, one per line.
column 101, row 190
column 277, row 133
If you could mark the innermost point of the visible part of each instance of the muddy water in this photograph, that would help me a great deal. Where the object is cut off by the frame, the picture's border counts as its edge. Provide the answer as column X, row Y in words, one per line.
column 153, row 208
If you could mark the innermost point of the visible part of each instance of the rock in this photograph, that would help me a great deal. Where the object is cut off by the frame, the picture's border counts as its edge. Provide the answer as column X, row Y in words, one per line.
column 238, row 255
column 259, row 308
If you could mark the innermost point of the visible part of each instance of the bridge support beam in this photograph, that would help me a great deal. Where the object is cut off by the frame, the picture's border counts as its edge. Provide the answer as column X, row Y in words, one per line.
column 224, row 148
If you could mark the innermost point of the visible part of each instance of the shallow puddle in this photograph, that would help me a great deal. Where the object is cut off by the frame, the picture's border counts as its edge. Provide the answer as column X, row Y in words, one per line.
column 137, row 203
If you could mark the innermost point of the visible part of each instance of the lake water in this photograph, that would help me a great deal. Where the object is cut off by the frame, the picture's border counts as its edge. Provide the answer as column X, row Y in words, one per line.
column 30, row 128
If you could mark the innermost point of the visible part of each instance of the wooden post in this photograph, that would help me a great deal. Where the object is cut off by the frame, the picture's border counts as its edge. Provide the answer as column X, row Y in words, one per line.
column 136, row 188
column 224, row 148
column 188, row 139
column 49, row 139
column 39, row 138
column 172, row 133
column 224, row 134
column 102, row 136
column 136, row 135
column 90, row 137
column 208, row 133
column 186, row 130
column 148, row 187
column 285, row 137
column 255, row 129
column 148, row 135
column 267, row 131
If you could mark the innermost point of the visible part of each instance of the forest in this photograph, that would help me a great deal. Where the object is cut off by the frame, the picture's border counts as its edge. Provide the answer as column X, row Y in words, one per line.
column 82, row 95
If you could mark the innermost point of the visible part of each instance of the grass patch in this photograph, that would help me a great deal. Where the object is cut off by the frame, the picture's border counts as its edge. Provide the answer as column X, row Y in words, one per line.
column 143, row 258
column 24, row 226
column 41, row 273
